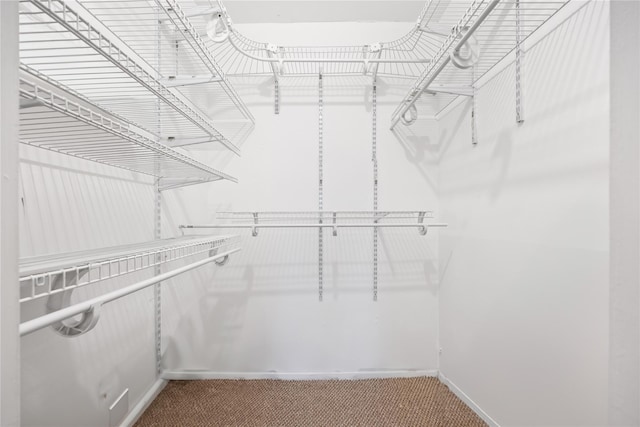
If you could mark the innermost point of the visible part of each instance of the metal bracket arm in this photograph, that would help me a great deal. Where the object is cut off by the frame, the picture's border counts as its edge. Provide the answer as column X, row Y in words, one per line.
column 176, row 81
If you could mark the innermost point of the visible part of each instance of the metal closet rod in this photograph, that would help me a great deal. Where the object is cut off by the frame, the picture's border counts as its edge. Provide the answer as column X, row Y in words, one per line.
column 95, row 303
column 337, row 60
column 408, row 104
column 318, row 225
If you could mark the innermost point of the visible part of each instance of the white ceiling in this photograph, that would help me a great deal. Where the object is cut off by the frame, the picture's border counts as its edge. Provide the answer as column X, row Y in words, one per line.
column 287, row 11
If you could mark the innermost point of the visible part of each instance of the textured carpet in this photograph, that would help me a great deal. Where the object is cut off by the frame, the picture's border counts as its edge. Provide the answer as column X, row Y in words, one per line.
column 377, row 402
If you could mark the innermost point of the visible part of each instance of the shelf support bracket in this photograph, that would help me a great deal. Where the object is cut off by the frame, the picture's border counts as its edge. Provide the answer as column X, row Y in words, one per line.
column 222, row 261
column 335, row 228
column 88, row 321
column 422, row 230
column 377, row 50
column 61, row 300
column 254, row 229
column 450, row 89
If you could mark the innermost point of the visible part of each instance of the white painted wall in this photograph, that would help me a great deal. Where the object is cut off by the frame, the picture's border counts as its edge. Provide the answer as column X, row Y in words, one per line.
column 624, row 328
column 522, row 275
column 524, row 263
column 260, row 315
column 260, row 312
column 67, row 204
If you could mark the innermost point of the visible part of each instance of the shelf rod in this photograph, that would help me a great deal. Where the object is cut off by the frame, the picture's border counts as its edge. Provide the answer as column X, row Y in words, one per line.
column 329, row 225
column 95, row 303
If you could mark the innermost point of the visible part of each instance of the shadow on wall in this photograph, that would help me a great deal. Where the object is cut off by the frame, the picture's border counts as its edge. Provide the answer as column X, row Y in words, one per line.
column 215, row 307
column 69, row 204
column 218, row 320
column 419, row 148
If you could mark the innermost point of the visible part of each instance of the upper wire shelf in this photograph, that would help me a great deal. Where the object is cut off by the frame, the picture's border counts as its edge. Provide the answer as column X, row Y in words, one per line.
column 494, row 28
column 342, row 216
column 83, row 130
column 45, row 276
column 71, row 47
column 161, row 33
column 241, row 56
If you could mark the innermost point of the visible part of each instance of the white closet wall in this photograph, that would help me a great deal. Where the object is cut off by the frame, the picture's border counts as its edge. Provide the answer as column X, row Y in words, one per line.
column 259, row 315
column 69, row 204
column 509, row 304
column 525, row 262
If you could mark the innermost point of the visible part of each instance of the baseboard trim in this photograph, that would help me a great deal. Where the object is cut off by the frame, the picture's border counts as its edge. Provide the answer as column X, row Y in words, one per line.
column 210, row 375
column 144, row 403
column 468, row 401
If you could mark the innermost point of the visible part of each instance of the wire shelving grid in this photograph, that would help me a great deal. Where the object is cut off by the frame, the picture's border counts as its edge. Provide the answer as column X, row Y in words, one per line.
column 495, row 35
column 40, row 276
column 70, row 46
column 56, row 121
column 161, row 33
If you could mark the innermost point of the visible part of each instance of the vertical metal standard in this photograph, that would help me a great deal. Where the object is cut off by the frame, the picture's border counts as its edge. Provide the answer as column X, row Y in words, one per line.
column 320, row 189
column 157, row 289
column 474, row 132
column 374, row 159
column 157, row 221
column 272, row 52
column 276, row 89
column 9, row 291
column 519, row 61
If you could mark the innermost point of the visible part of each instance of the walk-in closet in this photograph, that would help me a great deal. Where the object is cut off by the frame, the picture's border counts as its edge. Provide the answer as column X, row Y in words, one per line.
column 319, row 213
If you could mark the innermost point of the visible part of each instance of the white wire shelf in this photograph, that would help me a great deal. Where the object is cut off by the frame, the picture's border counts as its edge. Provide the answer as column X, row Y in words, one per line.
column 343, row 216
column 46, row 276
column 83, row 130
column 322, row 219
column 70, row 46
column 496, row 25
column 62, row 319
column 163, row 35
column 240, row 56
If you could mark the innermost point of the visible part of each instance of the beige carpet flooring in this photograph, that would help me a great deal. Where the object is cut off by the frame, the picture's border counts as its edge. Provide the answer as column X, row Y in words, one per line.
column 376, row 402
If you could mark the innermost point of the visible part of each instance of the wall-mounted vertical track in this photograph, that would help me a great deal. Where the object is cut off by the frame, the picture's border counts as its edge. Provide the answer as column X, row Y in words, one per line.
column 374, row 160
column 276, row 96
column 157, row 220
column 157, row 289
column 320, row 188
column 519, row 63
column 474, row 129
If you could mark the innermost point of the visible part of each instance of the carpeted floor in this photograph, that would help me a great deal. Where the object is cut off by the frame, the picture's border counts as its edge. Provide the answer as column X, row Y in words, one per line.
column 377, row 402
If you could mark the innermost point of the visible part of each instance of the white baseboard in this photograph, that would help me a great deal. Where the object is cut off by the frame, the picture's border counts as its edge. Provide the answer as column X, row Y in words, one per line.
column 209, row 375
column 144, row 403
column 466, row 399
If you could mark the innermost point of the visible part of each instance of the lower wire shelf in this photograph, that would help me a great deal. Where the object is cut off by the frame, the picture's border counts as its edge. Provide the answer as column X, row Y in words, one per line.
column 55, row 277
